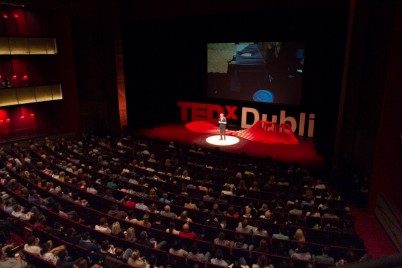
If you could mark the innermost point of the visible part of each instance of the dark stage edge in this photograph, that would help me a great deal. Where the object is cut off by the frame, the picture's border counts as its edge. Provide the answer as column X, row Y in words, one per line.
column 304, row 152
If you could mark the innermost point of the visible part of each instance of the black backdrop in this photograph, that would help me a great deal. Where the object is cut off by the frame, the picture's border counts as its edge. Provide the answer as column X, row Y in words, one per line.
column 165, row 61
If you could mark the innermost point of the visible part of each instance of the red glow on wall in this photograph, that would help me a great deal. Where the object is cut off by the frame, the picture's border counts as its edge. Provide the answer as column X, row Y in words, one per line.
column 1, row 121
column 14, row 77
column 32, row 115
column 3, row 114
column 8, row 120
column 25, row 77
column 16, row 15
column 22, row 117
column 5, row 16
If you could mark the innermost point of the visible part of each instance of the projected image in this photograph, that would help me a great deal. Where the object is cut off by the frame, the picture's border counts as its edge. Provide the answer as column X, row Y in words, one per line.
column 269, row 72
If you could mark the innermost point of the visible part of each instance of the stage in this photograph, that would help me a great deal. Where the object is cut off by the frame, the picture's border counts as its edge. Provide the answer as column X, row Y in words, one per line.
column 303, row 152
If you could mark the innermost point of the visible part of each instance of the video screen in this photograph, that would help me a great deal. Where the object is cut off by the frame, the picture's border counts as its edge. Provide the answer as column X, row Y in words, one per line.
column 267, row 72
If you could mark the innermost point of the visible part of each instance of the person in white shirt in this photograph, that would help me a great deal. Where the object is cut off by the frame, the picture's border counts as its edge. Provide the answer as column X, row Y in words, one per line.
column 218, row 260
column 18, row 212
column 32, row 246
column 50, row 254
column 103, row 226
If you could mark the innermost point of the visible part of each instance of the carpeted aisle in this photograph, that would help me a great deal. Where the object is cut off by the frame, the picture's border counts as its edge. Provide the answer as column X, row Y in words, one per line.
column 375, row 238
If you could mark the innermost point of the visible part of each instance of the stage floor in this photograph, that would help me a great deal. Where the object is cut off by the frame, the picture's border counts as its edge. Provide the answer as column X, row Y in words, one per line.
column 304, row 152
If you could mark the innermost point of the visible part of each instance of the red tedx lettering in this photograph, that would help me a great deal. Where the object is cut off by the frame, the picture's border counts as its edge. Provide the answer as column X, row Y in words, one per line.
column 231, row 112
column 184, row 106
column 198, row 112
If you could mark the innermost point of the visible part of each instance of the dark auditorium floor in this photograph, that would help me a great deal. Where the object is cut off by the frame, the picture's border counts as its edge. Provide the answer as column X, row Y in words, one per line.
column 304, row 152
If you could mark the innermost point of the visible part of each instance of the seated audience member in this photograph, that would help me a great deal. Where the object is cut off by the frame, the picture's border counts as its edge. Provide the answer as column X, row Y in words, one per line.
column 141, row 205
column 267, row 216
column 18, row 212
column 153, row 209
column 145, row 221
column 130, row 235
column 131, row 217
column 128, row 202
column 88, row 243
column 152, row 194
column 208, row 197
column 240, row 244
column 157, row 224
column 150, row 242
column 115, row 212
column 299, row 236
column 262, row 262
column 248, row 213
column 324, row 258
column 216, row 210
column 172, row 229
column 165, row 198
column 9, row 259
column 116, row 229
column 136, row 260
column 50, row 253
column 212, row 221
column 218, row 260
column 263, row 246
column 103, row 226
column 190, row 205
column 231, row 212
column 221, row 241
column 222, row 199
column 281, row 234
column 300, row 253
column 167, row 213
column 63, row 259
column 296, row 210
column 264, row 207
column 227, row 190
column 176, row 249
column 184, row 216
column 259, row 231
column 32, row 246
column 244, row 227
column 196, row 255
column 187, row 233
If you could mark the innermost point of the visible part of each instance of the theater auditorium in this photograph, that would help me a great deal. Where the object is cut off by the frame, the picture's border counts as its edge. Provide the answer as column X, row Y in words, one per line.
column 200, row 133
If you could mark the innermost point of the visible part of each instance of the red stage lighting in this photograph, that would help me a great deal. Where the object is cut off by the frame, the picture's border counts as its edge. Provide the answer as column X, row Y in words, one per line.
column 25, row 77
column 32, row 115
column 8, row 120
column 22, row 117
column 16, row 15
column 5, row 16
column 14, row 77
column 1, row 121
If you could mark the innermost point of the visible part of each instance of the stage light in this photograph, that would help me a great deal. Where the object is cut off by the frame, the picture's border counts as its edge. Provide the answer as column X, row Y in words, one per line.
column 14, row 77
column 22, row 117
column 1, row 121
column 25, row 77
column 8, row 120
column 16, row 15
column 32, row 115
column 5, row 16
column 215, row 140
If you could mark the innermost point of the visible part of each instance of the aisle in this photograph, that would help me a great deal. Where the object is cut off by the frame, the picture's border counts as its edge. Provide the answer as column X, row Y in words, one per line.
column 375, row 237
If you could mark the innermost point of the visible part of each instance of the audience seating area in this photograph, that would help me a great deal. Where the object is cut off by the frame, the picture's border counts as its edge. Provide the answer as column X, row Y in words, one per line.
column 95, row 202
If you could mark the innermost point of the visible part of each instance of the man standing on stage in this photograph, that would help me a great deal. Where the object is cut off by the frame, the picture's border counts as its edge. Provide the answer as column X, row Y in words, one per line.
column 222, row 126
